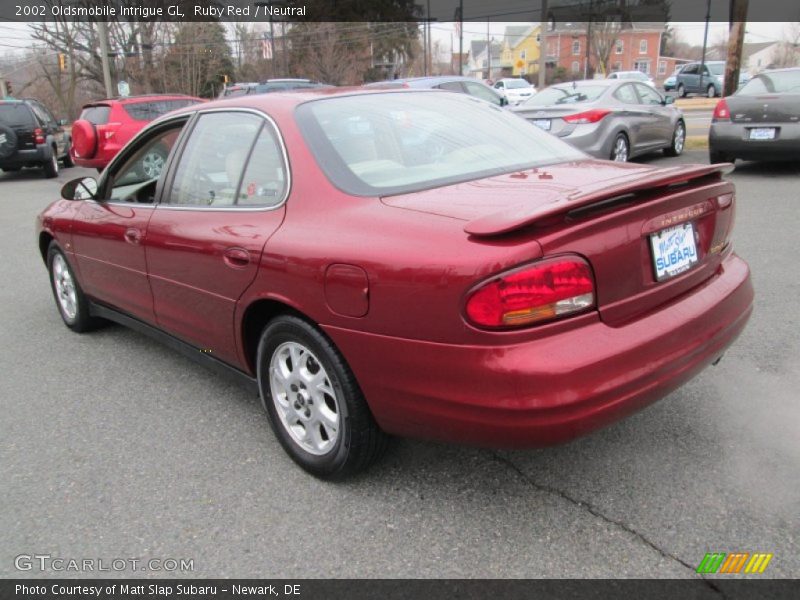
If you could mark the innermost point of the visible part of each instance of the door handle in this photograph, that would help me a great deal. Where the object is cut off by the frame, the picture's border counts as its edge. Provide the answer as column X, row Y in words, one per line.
column 238, row 258
column 133, row 236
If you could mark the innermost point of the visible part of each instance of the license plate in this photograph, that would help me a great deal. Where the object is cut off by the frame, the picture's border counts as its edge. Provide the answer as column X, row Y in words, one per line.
column 674, row 250
column 542, row 124
column 762, row 133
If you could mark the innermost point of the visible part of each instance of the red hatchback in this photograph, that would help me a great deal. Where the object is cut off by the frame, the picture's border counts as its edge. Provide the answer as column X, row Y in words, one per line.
column 373, row 266
column 105, row 126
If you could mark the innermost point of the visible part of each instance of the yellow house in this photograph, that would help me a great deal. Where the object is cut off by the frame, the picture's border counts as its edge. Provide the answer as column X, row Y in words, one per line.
column 521, row 50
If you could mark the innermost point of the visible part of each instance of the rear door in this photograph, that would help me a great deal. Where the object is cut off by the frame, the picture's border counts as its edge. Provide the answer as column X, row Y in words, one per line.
column 222, row 202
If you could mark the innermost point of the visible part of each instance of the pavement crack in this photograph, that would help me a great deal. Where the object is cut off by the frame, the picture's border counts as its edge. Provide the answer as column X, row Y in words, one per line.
column 594, row 511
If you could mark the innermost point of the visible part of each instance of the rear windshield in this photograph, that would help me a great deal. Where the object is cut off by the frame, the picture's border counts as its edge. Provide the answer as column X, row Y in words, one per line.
column 147, row 111
column 787, row 82
column 96, row 114
column 15, row 114
column 566, row 95
column 395, row 142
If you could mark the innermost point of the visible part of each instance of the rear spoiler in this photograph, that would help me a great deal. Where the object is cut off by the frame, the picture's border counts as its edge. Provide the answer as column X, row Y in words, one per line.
column 522, row 215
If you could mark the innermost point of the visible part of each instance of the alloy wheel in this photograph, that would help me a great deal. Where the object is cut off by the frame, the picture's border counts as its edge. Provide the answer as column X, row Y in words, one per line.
column 304, row 398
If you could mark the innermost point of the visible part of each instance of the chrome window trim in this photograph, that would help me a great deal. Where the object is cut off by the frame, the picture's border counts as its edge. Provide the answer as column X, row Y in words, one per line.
column 199, row 113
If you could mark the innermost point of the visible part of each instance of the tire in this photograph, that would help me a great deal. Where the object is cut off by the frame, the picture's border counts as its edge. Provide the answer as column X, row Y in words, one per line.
column 71, row 303
column 716, row 157
column 681, row 91
column 330, row 432
column 678, row 140
column 67, row 160
column 621, row 149
column 8, row 141
column 711, row 92
column 51, row 166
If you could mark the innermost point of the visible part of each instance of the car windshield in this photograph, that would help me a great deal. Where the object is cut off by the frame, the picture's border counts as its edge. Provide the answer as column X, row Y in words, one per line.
column 514, row 84
column 716, row 68
column 566, row 95
column 15, row 114
column 778, row 82
column 396, row 142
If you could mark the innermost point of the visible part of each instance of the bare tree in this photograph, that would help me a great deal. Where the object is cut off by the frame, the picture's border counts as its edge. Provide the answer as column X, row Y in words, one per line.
column 604, row 38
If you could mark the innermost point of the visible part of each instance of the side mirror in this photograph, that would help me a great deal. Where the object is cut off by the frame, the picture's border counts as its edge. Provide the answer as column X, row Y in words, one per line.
column 669, row 100
column 83, row 188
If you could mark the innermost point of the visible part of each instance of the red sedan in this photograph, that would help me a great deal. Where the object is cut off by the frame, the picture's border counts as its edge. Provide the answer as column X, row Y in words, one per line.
column 416, row 263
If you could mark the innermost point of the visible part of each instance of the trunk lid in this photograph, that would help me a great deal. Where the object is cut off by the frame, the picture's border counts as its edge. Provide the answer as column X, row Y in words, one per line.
column 605, row 211
column 766, row 108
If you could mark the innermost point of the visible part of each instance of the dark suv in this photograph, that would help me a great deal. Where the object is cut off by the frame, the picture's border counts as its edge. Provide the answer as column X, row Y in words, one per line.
column 31, row 137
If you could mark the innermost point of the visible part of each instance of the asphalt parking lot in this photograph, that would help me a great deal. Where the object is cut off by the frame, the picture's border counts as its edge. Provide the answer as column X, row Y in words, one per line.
column 114, row 446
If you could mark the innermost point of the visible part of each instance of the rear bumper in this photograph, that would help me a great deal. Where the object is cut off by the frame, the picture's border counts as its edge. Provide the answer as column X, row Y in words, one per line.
column 27, row 157
column 732, row 139
column 553, row 389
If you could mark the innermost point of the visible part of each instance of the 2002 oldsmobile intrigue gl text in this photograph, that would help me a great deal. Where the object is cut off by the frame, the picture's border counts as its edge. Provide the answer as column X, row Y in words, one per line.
column 416, row 263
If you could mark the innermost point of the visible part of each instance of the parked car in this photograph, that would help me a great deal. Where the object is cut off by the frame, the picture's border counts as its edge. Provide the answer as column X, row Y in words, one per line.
column 30, row 136
column 689, row 80
column 634, row 75
column 105, row 126
column 450, row 83
column 607, row 118
column 539, row 293
column 671, row 81
column 514, row 90
column 761, row 121
column 270, row 85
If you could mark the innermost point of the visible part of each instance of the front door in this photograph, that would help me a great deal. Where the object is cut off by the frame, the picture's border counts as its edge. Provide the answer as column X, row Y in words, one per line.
column 109, row 233
column 204, row 241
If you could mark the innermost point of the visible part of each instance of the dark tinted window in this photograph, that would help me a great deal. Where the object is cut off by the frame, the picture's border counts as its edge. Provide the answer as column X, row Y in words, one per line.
column 147, row 111
column 96, row 114
column 16, row 115
column 451, row 86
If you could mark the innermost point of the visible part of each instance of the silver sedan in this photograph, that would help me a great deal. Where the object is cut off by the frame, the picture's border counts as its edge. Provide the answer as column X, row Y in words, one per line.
column 614, row 119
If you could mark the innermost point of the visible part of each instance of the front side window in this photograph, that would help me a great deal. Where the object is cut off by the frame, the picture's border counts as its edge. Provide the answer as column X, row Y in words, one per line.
column 134, row 180
column 231, row 160
column 391, row 143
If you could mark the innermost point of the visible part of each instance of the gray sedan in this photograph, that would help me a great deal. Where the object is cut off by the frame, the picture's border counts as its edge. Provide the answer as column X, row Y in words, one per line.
column 608, row 118
column 761, row 121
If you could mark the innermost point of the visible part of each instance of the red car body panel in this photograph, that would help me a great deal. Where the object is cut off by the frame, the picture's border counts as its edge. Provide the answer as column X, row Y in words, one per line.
column 387, row 280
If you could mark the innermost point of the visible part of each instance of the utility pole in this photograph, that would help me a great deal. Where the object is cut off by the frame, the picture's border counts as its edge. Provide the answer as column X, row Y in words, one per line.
column 738, row 17
column 102, row 30
column 705, row 43
column 543, row 45
column 460, row 37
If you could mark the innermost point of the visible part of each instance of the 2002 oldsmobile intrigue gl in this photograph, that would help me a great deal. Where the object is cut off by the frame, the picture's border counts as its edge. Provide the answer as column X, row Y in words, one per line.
column 417, row 263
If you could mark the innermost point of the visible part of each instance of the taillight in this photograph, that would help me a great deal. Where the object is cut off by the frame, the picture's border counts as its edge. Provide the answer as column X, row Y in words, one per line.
column 38, row 136
column 721, row 111
column 590, row 116
column 542, row 291
column 107, row 131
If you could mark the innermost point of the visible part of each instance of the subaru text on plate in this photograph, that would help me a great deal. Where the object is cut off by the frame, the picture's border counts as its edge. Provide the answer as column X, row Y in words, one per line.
column 374, row 267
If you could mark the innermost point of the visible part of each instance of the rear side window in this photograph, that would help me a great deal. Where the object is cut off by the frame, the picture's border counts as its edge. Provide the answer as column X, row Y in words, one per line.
column 16, row 115
column 148, row 111
column 96, row 114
